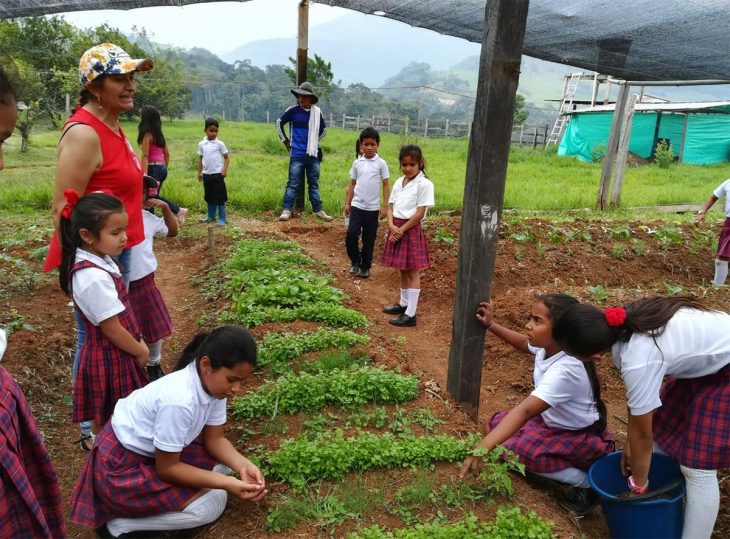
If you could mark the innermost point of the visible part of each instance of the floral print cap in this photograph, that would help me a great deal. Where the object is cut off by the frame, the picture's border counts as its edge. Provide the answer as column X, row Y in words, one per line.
column 108, row 59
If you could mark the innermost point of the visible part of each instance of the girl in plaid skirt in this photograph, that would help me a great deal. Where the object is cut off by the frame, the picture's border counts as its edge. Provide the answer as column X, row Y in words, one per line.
column 723, row 243
column 560, row 428
column 147, row 303
column 153, row 467
column 405, row 247
column 689, row 417
column 92, row 230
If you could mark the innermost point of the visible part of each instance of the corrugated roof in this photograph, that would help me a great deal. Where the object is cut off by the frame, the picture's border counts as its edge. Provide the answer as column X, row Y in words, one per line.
column 638, row 40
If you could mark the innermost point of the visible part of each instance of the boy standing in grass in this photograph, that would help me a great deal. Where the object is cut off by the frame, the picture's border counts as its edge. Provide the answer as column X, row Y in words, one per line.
column 362, row 204
column 212, row 171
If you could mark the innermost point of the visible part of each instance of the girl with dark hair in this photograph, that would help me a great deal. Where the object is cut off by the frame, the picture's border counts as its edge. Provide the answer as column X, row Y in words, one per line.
column 155, row 155
column 154, row 466
column 689, row 417
column 560, row 428
column 113, row 356
column 405, row 247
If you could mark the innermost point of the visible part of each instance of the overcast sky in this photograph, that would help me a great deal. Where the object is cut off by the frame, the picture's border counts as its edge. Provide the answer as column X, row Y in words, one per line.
column 218, row 27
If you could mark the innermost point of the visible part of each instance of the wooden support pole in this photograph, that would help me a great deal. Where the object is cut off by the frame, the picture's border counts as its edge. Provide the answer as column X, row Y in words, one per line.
column 302, row 41
column 267, row 116
column 609, row 157
column 211, row 244
column 534, row 139
column 425, row 129
column 486, row 172
column 684, row 137
column 623, row 151
column 594, row 92
column 446, row 129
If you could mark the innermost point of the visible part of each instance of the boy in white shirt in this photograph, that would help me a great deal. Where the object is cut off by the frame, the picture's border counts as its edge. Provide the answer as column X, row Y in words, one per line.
column 212, row 171
column 362, row 204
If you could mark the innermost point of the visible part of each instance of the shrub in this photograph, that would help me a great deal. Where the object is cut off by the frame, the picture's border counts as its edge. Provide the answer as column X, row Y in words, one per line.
column 663, row 154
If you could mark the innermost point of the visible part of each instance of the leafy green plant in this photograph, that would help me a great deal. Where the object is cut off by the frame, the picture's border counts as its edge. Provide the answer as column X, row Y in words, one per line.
column 617, row 251
column 15, row 321
column 522, row 237
column 598, row 152
column 599, row 293
column 639, row 247
column 325, row 510
column 443, row 236
column 669, row 235
column 672, row 290
column 335, row 359
column 410, row 498
column 347, row 389
column 257, row 254
column 378, row 418
column 557, row 234
column 425, row 418
column 540, row 248
column 664, row 154
column 496, row 465
column 619, row 232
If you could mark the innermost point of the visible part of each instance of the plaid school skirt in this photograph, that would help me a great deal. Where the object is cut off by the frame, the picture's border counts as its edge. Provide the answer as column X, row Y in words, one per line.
column 408, row 253
column 723, row 244
column 30, row 500
column 117, row 482
column 544, row 449
column 693, row 424
column 149, row 309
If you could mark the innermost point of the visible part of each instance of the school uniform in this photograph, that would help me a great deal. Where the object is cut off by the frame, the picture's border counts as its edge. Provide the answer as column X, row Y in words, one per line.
column 212, row 152
column 723, row 244
column 120, row 478
column 411, row 251
column 106, row 373
column 691, row 420
column 564, row 436
column 368, row 175
column 30, row 499
column 145, row 298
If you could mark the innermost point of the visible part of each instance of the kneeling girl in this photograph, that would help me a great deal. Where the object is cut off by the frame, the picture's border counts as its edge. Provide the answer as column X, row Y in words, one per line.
column 154, row 466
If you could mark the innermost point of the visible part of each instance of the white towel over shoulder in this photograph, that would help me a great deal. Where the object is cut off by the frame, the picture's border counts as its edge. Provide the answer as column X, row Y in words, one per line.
column 315, row 116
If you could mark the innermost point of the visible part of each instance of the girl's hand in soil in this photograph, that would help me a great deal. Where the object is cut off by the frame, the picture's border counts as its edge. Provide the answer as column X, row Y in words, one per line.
column 471, row 464
column 485, row 314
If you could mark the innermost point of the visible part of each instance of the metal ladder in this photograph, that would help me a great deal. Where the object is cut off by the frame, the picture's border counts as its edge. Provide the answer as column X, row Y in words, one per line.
column 566, row 104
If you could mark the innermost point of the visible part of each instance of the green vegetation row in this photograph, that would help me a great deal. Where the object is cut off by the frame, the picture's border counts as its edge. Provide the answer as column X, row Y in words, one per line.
column 279, row 349
column 510, row 523
column 299, row 461
column 306, row 392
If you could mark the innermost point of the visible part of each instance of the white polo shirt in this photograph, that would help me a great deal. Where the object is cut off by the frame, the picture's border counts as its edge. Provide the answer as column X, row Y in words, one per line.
column 168, row 414
column 417, row 192
column 369, row 175
column 562, row 382
column 212, row 152
column 93, row 289
column 144, row 261
column 723, row 190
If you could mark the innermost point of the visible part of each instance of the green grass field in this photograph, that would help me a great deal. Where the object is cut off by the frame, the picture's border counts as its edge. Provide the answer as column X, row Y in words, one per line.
column 536, row 179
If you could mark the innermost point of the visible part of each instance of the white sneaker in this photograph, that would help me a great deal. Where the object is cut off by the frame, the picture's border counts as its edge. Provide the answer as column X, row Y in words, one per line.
column 322, row 215
column 181, row 214
column 285, row 215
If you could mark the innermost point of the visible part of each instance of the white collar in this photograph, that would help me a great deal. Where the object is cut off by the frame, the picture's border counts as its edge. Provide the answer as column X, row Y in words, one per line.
column 203, row 396
column 368, row 158
column 106, row 262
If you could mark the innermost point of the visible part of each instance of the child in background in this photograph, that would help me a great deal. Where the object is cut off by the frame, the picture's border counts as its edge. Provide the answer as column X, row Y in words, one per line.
column 688, row 417
column 155, row 155
column 560, row 428
column 212, row 171
column 144, row 296
column 723, row 244
column 113, row 356
column 362, row 203
column 149, row 469
column 405, row 248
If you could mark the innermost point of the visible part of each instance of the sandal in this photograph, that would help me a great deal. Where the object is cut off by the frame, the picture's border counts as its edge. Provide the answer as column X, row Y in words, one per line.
column 86, row 441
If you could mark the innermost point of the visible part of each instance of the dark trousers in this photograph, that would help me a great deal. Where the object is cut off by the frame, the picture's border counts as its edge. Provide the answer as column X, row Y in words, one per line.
column 365, row 223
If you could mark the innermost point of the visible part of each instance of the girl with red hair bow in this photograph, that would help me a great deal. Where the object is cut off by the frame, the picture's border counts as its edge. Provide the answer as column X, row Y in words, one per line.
column 688, row 418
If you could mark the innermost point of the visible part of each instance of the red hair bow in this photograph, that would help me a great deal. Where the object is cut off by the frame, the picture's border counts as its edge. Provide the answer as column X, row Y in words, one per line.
column 615, row 316
column 72, row 197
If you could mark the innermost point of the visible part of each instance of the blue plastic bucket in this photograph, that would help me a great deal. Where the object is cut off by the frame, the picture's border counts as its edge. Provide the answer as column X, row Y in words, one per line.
column 660, row 518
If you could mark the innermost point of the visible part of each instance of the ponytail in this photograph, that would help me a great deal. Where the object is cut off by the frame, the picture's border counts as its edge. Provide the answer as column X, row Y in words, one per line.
column 602, row 422
column 225, row 346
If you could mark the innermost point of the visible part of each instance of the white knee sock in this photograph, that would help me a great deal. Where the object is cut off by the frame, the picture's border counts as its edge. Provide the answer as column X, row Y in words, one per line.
column 412, row 301
column 155, row 349
column 403, row 297
column 702, row 504
column 201, row 511
column 720, row 272
column 570, row 476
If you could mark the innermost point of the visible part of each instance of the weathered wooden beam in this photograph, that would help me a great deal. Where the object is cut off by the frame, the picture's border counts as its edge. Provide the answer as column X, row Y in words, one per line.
column 302, row 41
column 609, row 157
column 623, row 151
column 486, row 172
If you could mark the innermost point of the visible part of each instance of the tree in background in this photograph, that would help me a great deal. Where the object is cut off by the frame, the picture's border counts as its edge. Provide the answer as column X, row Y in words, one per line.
column 319, row 73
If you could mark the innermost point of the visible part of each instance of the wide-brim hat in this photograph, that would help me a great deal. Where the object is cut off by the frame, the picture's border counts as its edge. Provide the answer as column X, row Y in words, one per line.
column 305, row 88
column 108, row 59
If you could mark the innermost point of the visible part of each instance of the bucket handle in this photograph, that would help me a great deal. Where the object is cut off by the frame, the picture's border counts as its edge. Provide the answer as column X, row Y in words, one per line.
column 669, row 487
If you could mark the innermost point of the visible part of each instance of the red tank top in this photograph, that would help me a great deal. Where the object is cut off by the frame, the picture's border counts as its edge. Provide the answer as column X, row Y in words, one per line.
column 120, row 174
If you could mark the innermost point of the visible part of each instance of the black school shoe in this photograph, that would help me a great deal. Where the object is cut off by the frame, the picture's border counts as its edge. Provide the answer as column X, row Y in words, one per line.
column 394, row 309
column 403, row 320
column 580, row 501
column 354, row 269
column 364, row 273
column 154, row 372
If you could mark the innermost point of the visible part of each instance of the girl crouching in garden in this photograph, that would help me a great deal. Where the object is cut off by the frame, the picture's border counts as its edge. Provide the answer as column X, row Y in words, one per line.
column 162, row 462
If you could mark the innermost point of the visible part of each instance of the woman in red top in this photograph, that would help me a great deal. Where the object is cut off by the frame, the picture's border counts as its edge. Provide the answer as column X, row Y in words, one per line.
column 93, row 154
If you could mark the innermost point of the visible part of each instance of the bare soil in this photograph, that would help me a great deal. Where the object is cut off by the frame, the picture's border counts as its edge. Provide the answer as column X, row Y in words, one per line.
column 626, row 268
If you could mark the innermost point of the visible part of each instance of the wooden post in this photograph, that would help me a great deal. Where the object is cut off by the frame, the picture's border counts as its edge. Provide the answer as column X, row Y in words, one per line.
column 68, row 106
column 534, row 139
column 425, row 129
column 357, row 125
column 372, row 122
column 332, row 119
column 623, row 151
column 594, row 92
column 211, row 244
column 446, row 129
column 302, row 41
column 611, row 147
column 607, row 96
column 522, row 132
column 684, row 137
column 486, row 171
column 267, row 116
column 343, row 120
column 388, row 123
column 545, row 136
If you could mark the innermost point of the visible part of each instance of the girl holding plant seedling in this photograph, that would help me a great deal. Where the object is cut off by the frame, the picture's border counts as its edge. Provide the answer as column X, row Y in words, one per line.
column 688, row 415
column 153, row 467
column 113, row 356
column 560, row 428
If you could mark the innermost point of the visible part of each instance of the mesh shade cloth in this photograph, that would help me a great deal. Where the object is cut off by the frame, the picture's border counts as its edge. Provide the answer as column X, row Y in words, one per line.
column 638, row 40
